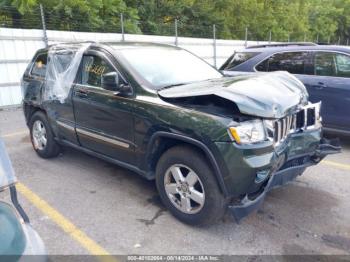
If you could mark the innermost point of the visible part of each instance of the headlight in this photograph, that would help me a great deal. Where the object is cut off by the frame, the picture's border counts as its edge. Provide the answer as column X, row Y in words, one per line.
column 248, row 132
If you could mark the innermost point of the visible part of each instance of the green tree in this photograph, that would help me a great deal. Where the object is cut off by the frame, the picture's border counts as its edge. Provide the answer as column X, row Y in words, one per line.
column 296, row 20
column 323, row 19
column 81, row 15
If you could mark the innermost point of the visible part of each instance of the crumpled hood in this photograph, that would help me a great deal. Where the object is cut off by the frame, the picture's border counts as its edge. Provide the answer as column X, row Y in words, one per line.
column 270, row 95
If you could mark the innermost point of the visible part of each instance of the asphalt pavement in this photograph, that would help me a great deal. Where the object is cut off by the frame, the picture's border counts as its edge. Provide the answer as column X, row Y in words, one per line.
column 81, row 205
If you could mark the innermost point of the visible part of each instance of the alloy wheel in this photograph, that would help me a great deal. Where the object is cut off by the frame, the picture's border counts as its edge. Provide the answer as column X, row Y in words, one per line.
column 184, row 189
column 39, row 135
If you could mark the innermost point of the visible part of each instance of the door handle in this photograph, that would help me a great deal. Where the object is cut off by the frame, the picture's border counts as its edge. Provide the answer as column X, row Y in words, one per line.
column 320, row 85
column 81, row 93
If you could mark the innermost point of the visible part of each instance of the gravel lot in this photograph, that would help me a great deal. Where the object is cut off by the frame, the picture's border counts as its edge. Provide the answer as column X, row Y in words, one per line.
column 122, row 213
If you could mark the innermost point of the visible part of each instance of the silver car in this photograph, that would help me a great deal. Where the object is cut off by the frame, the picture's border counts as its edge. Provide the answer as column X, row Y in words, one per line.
column 17, row 237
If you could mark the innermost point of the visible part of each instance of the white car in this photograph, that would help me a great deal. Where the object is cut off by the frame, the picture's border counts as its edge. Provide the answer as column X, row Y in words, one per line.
column 17, row 237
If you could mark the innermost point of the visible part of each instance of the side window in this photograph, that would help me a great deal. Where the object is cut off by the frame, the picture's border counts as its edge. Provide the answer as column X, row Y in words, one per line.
column 293, row 62
column 325, row 64
column 342, row 65
column 93, row 67
column 62, row 60
column 39, row 67
column 263, row 66
column 237, row 59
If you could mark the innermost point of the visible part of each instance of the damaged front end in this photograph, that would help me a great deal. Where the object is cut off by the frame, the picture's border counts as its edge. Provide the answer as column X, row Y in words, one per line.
column 275, row 133
column 286, row 173
column 298, row 144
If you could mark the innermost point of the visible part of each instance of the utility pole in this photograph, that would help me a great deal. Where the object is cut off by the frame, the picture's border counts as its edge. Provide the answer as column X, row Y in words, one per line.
column 122, row 26
column 43, row 24
column 214, row 44
column 176, row 35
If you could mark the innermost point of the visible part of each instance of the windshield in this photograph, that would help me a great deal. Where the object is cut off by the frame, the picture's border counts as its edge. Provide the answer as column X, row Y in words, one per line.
column 162, row 67
column 7, row 176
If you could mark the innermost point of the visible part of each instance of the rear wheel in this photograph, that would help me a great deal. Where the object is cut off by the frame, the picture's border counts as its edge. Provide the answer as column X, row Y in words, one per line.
column 42, row 137
column 188, row 188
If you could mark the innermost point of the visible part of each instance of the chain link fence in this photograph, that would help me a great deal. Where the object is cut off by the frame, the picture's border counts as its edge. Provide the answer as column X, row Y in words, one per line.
column 39, row 18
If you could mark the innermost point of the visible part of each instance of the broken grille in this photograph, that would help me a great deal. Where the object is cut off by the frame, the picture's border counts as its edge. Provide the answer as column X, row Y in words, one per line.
column 307, row 118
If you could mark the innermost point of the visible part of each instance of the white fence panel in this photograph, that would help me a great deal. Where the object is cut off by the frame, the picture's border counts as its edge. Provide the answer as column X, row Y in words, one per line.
column 17, row 47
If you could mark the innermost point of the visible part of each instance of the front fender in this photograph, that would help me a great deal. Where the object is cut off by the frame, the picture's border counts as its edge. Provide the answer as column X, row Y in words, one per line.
column 218, row 172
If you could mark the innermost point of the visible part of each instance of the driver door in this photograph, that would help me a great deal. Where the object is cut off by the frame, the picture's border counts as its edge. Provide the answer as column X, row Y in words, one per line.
column 104, row 120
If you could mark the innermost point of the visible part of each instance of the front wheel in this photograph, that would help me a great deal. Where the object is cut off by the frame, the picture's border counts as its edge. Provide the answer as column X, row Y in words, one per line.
column 188, row 188
column 42, row 137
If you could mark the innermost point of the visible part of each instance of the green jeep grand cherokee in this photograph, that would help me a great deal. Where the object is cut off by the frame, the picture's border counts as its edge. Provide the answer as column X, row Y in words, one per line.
column 211, row 143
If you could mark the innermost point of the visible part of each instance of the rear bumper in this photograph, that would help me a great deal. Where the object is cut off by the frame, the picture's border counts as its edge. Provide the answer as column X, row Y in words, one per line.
column 288, row 172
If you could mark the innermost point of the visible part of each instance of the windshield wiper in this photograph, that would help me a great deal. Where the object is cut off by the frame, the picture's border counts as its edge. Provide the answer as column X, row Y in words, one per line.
column 173, row 85
column 181, row 84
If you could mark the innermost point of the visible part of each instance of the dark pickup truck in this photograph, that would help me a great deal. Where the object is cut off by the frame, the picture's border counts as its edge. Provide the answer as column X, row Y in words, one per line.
column 212, row 143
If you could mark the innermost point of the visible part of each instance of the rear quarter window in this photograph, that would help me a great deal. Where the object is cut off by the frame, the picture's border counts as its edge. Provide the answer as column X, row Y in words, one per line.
column 40, row 64
column 237, row 58
column 332, row 64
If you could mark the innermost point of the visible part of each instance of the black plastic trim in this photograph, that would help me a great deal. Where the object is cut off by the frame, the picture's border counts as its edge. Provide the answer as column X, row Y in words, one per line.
column 196, row 143
column 106, row 158
column 15, row 202
column 278, row 179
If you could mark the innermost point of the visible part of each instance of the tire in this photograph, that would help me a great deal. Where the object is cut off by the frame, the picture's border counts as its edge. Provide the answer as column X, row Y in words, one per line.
column 39, row 129
column 210, row 204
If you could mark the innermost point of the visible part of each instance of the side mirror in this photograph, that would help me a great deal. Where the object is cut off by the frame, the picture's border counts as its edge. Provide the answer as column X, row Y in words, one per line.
column 124, row 89
column 110, row 81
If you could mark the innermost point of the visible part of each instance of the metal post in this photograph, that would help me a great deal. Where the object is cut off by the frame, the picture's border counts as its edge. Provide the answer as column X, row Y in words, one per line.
column 43, row 24
column 339, row 40
column 329, row 39
column 214, row 44
column 347, row 41
column 246, row 37
column 122, row 25
column 288, row 38
column 317, row 39
column 270, row 37
column 176, row 41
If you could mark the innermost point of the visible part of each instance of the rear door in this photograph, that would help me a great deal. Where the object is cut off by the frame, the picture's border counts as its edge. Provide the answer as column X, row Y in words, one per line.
column 330, row 83
column 60, row 113
column 104, row 119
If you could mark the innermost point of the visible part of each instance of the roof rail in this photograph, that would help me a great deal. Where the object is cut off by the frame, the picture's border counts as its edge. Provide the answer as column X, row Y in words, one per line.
column 72, row 43
column 283, row 44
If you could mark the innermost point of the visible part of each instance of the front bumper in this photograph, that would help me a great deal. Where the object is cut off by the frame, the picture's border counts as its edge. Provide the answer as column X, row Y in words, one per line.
column 287, row 172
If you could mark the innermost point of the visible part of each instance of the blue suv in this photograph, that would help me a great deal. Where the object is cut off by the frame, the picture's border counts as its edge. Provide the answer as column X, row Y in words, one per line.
column 324, row 70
